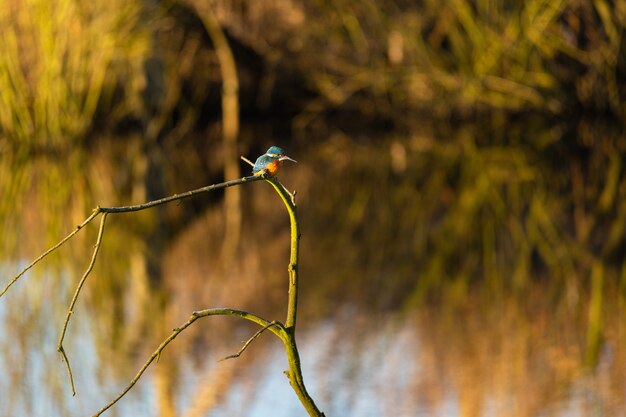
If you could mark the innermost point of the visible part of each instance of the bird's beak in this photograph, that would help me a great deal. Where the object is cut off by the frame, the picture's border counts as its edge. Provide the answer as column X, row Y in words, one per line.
column 286, row 158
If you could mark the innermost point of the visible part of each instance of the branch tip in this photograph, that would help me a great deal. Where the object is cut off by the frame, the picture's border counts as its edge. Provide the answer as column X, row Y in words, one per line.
column 243, row 158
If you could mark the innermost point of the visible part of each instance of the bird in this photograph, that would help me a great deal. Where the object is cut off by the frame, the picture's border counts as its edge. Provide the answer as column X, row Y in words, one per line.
column 271, row 161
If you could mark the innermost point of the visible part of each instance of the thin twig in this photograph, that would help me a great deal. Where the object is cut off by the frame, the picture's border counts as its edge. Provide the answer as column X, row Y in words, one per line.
column 46, row 253
column 70, row 309
column 245, row 346
column 175, row 197
column 243, row 158
column 276, row 328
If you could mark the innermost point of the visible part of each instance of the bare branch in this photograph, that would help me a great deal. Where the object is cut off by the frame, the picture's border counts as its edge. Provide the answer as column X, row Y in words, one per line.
column 175, row 197
column 276, row 328
column 70, row 309
column 96, row 211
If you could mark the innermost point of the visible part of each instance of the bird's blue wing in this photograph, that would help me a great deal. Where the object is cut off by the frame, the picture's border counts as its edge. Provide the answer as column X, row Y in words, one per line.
column 259, row 165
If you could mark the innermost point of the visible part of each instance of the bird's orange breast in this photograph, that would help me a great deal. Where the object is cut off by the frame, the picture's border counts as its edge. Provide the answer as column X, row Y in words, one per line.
column 274, row 166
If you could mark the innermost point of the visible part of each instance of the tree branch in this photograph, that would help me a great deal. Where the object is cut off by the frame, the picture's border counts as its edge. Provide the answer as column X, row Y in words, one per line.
column 275, row 327
column 289, row 200
column 125, row 209
column 295, row 370
column 175, row 197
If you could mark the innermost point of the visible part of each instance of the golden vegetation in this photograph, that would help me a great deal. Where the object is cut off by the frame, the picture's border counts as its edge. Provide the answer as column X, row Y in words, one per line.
column 58, row 60
column 63, row 61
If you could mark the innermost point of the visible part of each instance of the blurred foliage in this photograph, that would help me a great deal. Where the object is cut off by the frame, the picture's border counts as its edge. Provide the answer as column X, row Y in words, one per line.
column 67, row 67
column 395, row 58
column 58, row 60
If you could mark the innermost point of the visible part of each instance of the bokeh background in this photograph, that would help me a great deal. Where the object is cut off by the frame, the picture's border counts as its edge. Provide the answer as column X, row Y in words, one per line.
column 461, row 187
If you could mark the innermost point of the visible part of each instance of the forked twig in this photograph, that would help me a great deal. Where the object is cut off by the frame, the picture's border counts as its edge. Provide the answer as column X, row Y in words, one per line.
column 70, row 309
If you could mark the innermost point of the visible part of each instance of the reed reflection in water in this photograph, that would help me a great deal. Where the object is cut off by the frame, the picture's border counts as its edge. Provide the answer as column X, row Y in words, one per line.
column 382, row 331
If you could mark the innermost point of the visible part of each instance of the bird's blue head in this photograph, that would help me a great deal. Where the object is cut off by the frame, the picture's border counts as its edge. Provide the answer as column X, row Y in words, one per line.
column 274, row 152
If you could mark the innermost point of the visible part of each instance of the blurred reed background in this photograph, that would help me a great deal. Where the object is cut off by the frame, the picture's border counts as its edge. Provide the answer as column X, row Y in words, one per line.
column 460, row 179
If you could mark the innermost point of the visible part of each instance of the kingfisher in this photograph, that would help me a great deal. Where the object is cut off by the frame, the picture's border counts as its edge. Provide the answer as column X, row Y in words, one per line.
column 271, row 161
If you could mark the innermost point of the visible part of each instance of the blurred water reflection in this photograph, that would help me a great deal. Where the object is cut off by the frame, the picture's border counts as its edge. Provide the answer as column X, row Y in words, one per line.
column 388, row 325
column 357, row 365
